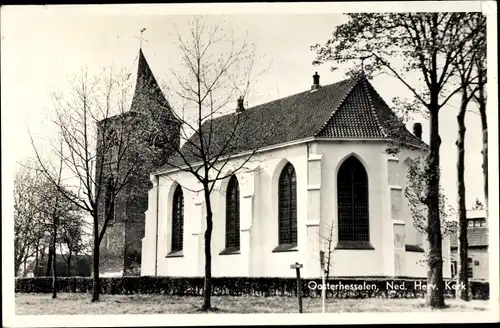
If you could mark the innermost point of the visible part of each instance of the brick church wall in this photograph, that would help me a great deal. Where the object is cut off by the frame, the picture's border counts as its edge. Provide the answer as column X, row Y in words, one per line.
column 120, row 250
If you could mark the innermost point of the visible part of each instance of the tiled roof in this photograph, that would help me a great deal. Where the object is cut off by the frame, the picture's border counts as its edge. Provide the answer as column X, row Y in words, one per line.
column 365, row 114
column 148, row 94
column 476, row 237
column 355, row 118
column 347, row 109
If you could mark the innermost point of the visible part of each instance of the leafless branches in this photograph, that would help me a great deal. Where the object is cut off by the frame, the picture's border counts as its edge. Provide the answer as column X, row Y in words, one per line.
column 217, row 70
column 98, row 148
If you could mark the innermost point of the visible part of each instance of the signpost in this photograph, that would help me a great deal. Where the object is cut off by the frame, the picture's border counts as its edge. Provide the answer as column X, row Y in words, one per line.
column 297, row 268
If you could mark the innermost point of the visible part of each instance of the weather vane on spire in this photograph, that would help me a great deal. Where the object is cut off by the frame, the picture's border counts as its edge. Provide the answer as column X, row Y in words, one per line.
column 141, row 38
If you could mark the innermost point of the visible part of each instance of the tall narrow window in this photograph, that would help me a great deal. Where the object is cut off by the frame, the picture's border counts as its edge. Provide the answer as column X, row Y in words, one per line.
column 352, row 200
column 109, row 206
column 288, row 206
column 233, row 214
column 177, row 220
column 470, row 269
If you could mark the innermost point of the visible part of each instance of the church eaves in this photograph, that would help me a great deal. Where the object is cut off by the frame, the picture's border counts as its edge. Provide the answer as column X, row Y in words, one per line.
column 148, row 95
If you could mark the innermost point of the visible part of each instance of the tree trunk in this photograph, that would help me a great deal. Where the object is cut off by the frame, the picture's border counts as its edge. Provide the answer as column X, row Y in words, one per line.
column 69, row 263
column 49, row 262
column 24, row 269
column 35, row 269
column 95, row 264
column 17, row 267
column 20, row 254
column 435, row 285
column 54, row 258
column 485, row 161
column 42, row 258
column 330, row 253
column 484, row 151
column 462, row 216
column 207, row 289
column 481, row 101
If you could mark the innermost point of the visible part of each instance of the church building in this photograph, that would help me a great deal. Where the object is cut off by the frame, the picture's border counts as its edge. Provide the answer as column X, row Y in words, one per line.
column 324, row 182
column 120, row 249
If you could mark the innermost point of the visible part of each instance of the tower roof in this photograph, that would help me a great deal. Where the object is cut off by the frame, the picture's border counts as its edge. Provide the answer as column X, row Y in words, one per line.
column 148, row 95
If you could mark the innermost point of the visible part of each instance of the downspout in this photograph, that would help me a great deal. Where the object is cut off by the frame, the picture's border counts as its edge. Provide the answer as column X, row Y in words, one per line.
column 156, row 230
column 307, row 162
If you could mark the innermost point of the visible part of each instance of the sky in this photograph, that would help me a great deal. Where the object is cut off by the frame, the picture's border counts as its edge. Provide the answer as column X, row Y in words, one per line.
column 43, row 46
column 40, row 57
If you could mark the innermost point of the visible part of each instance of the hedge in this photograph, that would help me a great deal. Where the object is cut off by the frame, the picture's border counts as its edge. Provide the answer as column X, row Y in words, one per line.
column 237, row 286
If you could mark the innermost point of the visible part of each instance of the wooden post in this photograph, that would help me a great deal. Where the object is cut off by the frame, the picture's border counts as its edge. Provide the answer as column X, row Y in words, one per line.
column 297, row 267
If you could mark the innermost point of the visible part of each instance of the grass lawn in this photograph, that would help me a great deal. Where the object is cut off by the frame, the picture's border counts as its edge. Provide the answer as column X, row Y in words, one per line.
column 151, row 304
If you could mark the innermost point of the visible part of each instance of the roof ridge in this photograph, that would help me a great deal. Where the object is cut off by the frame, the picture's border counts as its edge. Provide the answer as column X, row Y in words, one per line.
column 299, row 93
column 282, row 99
column 372, row 106
column 384, row 109
column 357, row 79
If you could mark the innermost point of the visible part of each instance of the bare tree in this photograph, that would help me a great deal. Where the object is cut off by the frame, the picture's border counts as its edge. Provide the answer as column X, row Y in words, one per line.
column 218, row 69
column 40, row 212
column 72, row 238
column 56, row 213
column 43, row 241
column 28, row 230
column 430, row 44
column 99, row 152
column 480, row 99
column 328, row 255
column 467, row 79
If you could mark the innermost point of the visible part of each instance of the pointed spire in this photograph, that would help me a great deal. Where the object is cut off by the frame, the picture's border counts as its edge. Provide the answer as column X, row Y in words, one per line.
column 148, row 95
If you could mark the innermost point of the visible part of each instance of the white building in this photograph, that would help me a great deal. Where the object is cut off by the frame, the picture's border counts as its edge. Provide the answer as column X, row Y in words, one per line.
column 477, row 251
column 326, row 168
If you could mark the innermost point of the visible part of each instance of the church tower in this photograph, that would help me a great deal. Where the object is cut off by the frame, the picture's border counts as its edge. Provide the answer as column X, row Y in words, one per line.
column 120, row 250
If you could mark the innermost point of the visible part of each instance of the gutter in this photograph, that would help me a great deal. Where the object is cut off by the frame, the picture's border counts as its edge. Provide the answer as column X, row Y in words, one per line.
column 283, row 145
column 238, row 155
column 156, row 230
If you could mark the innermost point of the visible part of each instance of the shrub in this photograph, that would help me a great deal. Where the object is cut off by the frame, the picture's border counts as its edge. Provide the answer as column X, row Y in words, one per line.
column 237, row 286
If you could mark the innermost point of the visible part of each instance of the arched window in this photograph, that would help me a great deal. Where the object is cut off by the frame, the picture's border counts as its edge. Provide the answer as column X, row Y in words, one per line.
column 352, row 200
column 233, row 214
column 288, row 206
column 109, row 206
column 177, row 219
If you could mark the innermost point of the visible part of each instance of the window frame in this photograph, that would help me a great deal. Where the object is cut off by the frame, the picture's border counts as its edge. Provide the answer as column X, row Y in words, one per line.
column 233, row 208
column 287, row 208
column 470, row 268
column 177, row 227
column 453, row 268
column 353, row 184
